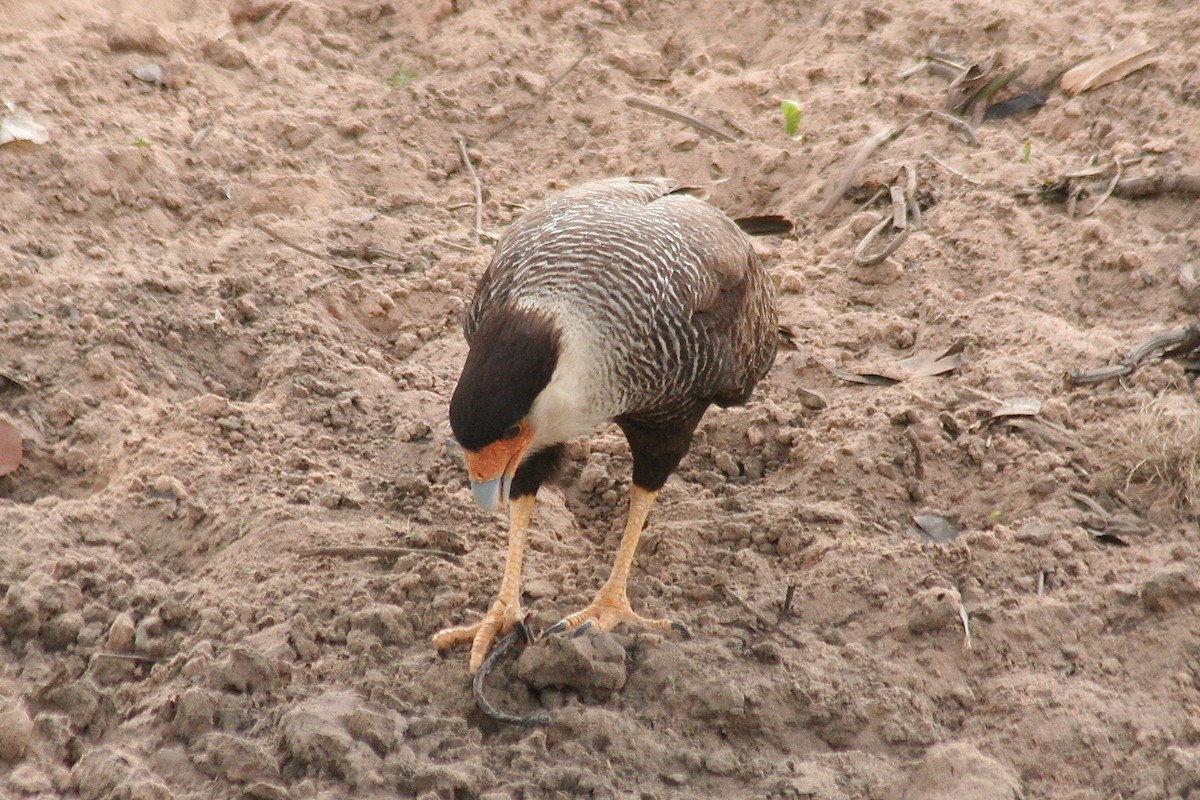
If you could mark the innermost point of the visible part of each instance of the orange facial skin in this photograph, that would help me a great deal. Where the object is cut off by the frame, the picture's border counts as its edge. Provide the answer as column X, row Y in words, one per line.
column 501, row 457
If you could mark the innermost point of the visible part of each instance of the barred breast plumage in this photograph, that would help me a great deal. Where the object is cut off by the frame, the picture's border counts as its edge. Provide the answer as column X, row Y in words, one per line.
column 628, row 300
column 679, row 306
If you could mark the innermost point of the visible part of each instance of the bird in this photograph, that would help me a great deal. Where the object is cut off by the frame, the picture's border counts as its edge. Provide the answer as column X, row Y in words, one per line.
column 630, row 300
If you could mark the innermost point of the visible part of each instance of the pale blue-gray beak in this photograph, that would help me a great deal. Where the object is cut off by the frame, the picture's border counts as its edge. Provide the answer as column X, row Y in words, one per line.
column 492, row 495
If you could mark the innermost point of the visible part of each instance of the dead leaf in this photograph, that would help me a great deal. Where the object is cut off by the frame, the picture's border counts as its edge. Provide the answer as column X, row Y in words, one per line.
column 1017, row 407
column 17, row 126
column 11, row 449
column 933, row 528
column 929, row 363
column 1129, row 56
column 920, row 365
column 149, row 72
column 867, row 378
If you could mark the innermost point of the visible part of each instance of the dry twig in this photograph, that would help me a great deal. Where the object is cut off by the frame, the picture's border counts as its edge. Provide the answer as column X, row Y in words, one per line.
column 378, row 552
column 462, row 148
column 349, row 272
column 508, row 123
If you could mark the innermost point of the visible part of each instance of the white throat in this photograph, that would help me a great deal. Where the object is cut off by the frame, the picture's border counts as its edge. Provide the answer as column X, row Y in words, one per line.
column 574, row 401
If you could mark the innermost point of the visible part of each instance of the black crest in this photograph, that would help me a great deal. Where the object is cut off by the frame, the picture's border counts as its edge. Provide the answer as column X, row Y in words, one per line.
column 513, row 355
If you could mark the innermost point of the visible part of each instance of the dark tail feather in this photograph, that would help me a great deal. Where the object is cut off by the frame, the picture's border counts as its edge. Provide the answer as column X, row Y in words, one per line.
column 787, row 338
column 765, row 225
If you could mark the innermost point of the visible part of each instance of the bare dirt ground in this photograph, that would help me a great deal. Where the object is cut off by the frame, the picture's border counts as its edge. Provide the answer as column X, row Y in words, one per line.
column 201, row 405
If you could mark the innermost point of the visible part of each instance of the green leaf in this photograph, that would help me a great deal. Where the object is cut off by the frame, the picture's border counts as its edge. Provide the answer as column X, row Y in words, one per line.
column 791, row 116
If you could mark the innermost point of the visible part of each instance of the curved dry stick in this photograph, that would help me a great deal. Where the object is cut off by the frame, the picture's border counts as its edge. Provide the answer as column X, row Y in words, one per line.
column 501, row 647
column 1149, row 185
column 868, row 147
column 892, row 246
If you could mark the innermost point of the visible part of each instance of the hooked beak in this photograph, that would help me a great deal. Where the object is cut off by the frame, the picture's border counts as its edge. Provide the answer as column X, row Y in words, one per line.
column 491, row 468
column 492, row 495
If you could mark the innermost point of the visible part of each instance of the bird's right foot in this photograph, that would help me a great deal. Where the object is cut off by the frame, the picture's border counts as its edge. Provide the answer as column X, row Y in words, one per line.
column 502, row 616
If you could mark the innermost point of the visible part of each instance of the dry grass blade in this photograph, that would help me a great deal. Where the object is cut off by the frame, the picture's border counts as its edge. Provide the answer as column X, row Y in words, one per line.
column 634, row 101
column 1154, row 455
column 860, row 255
column 1131, row 55
column 1108, row 190
column 864, row 152
column 924, row 364
column 466, row 159
column 930, row 363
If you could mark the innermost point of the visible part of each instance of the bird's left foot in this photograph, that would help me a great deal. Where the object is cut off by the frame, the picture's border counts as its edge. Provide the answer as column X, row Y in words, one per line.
column 606, row 612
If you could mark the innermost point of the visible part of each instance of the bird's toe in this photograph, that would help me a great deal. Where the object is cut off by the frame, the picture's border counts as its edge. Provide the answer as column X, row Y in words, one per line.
column 500, row 617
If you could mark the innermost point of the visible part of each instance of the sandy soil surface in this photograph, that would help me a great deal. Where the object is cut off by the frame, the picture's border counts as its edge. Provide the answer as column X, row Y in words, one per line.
column 201, row 405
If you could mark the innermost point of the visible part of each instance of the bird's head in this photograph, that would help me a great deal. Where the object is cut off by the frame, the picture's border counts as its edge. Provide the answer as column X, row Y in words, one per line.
column 513, row 356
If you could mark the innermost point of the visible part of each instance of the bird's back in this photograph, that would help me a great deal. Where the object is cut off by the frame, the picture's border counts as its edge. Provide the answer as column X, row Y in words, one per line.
column 678, row 307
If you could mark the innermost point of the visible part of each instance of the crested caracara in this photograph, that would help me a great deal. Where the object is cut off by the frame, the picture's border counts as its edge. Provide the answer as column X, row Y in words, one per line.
column 628, row 300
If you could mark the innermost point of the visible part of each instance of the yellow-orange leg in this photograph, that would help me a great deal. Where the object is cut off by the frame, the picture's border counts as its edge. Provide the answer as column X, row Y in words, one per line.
column 506, row 610
column 611, row 605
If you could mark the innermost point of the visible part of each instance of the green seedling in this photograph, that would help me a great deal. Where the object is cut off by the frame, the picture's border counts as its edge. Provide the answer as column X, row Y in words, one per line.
column 1026, row 152
column 142, row 144
column 400, row 77
column 791, row 116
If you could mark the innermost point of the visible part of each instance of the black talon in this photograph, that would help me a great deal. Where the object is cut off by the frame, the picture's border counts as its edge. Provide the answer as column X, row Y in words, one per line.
column 557, row 627
column 583, row 626
column 679, row 626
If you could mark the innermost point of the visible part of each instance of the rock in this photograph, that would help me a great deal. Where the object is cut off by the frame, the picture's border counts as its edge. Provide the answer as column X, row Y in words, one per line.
column 721, row 762
column 121, row 634
column 19, row 616
column 958, row 771
column 16, row 732
column 593, row 663
column 315, row 734
column 266, row 791
column 62, row 631
column 150, row 790
column 933, row 609
column 274, row 642
column 87, row 707
column 107, row 771
column 252, row 10
column 716, row 698
column 29, row 779
column 451, row 780
column 210, row 405
column 226, row 55
column 238, row 760
column 376, row 728
column 641, row 64
column 1170, row 588
column 136, row 34
column 385, row 621
column 195, row 710
column 245, row 670
column 148, row 636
